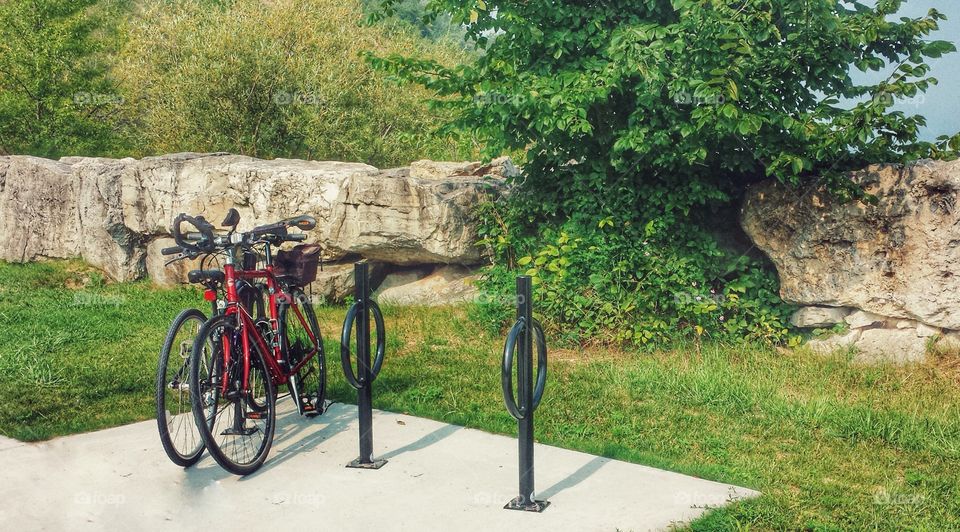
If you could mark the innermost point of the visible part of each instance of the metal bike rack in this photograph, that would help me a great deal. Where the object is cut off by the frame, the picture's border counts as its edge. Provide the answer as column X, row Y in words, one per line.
column 359, row 314
column 524, row 331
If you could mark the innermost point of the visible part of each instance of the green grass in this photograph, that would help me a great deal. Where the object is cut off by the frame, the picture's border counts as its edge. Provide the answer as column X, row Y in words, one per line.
column 831, row 444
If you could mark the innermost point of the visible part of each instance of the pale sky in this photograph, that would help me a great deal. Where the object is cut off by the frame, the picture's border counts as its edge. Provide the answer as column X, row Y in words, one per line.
column 941, row 103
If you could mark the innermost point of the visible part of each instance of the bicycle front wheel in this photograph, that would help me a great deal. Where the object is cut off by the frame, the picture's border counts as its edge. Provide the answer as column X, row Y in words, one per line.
column 236, row 424
column 178, row 433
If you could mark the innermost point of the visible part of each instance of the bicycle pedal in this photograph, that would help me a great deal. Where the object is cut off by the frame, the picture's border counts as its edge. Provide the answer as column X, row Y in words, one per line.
column 246, row 431
column 254, row 415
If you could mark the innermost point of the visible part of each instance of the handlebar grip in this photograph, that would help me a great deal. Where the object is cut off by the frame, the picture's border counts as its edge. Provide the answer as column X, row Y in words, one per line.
column 171, row 250
column 304, row 222
column 298, row 237
column 203, row 238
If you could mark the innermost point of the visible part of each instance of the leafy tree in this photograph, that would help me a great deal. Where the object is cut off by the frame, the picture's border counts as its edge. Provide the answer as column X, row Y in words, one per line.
column 642, row 118
column 55, row 98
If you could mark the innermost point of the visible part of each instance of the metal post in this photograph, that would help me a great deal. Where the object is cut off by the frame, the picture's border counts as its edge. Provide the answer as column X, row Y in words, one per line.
column 525, row 390
column 526, row 394
column 365, row 374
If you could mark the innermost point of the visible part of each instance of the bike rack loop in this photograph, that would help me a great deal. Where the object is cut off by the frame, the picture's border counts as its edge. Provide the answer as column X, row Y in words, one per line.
column 359, row 315
column 528, row 396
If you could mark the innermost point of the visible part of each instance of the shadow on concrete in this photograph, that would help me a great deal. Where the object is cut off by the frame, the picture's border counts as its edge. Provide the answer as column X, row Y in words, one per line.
column 424, row 442
column 291, row 425
column 578, row 476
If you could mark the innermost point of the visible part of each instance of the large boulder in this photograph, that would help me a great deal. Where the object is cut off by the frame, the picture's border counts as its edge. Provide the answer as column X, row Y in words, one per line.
column 816, row 317
column 38, row 209
column 896, row 257
column 397, row 218
column 116, row 213
column 49, row 209
column 106, row 239
column 335, row 281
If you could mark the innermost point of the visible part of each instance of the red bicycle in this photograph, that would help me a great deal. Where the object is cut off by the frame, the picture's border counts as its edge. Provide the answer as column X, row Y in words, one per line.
column 238, row 362
column 178, row 433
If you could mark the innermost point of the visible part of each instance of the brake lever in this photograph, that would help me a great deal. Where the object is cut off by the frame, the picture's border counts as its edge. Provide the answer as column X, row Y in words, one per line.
column 180, row 257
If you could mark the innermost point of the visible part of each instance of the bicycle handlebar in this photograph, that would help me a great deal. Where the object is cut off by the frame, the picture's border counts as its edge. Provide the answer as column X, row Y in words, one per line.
column 193, row 242
column 204, row 240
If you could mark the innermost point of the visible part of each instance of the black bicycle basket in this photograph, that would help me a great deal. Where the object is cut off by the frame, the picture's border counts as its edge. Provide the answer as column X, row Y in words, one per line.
column 298, row 264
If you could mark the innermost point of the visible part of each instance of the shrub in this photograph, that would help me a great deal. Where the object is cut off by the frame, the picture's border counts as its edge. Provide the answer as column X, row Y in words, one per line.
column 619, row 282
column 277, row 79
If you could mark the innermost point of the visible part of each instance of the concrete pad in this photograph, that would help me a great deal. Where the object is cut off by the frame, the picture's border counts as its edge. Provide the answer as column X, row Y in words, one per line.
column 9, row 443
column 439, row 477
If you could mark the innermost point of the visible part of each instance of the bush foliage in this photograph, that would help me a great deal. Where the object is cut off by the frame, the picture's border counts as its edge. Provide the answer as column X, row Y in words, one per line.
column 641, row 118
column 276, row 79
column 269, row 79
column 53, row 78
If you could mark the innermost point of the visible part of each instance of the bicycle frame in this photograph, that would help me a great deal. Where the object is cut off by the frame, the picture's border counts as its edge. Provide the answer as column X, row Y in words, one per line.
column 274, row 353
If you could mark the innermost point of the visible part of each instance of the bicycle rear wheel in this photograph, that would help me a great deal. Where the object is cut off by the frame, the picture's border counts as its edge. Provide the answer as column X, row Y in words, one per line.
column 296, row 343
column 237, row 426
column 178, row 433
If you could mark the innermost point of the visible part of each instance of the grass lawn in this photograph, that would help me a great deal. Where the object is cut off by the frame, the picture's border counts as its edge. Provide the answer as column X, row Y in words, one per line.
column 831, row 444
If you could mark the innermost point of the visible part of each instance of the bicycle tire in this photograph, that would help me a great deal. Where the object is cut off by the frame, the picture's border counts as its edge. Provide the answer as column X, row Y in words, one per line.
column 313, row 375
column 205, row 395
column 192, row 447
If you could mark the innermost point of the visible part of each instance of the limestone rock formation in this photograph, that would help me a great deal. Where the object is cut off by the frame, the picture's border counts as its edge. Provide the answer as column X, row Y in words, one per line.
column 895, row 260
column 891, row 345
column 898, row 257
column 38, row 209
column 336, row 281
column 116, row 213
column 445, row 285
column 815, row 317
column 862, row 319
column 47, row 209
column 397, row 218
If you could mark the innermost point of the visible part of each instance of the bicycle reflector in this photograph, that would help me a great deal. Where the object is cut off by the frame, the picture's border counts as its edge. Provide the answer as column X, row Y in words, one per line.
column 210, row 295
